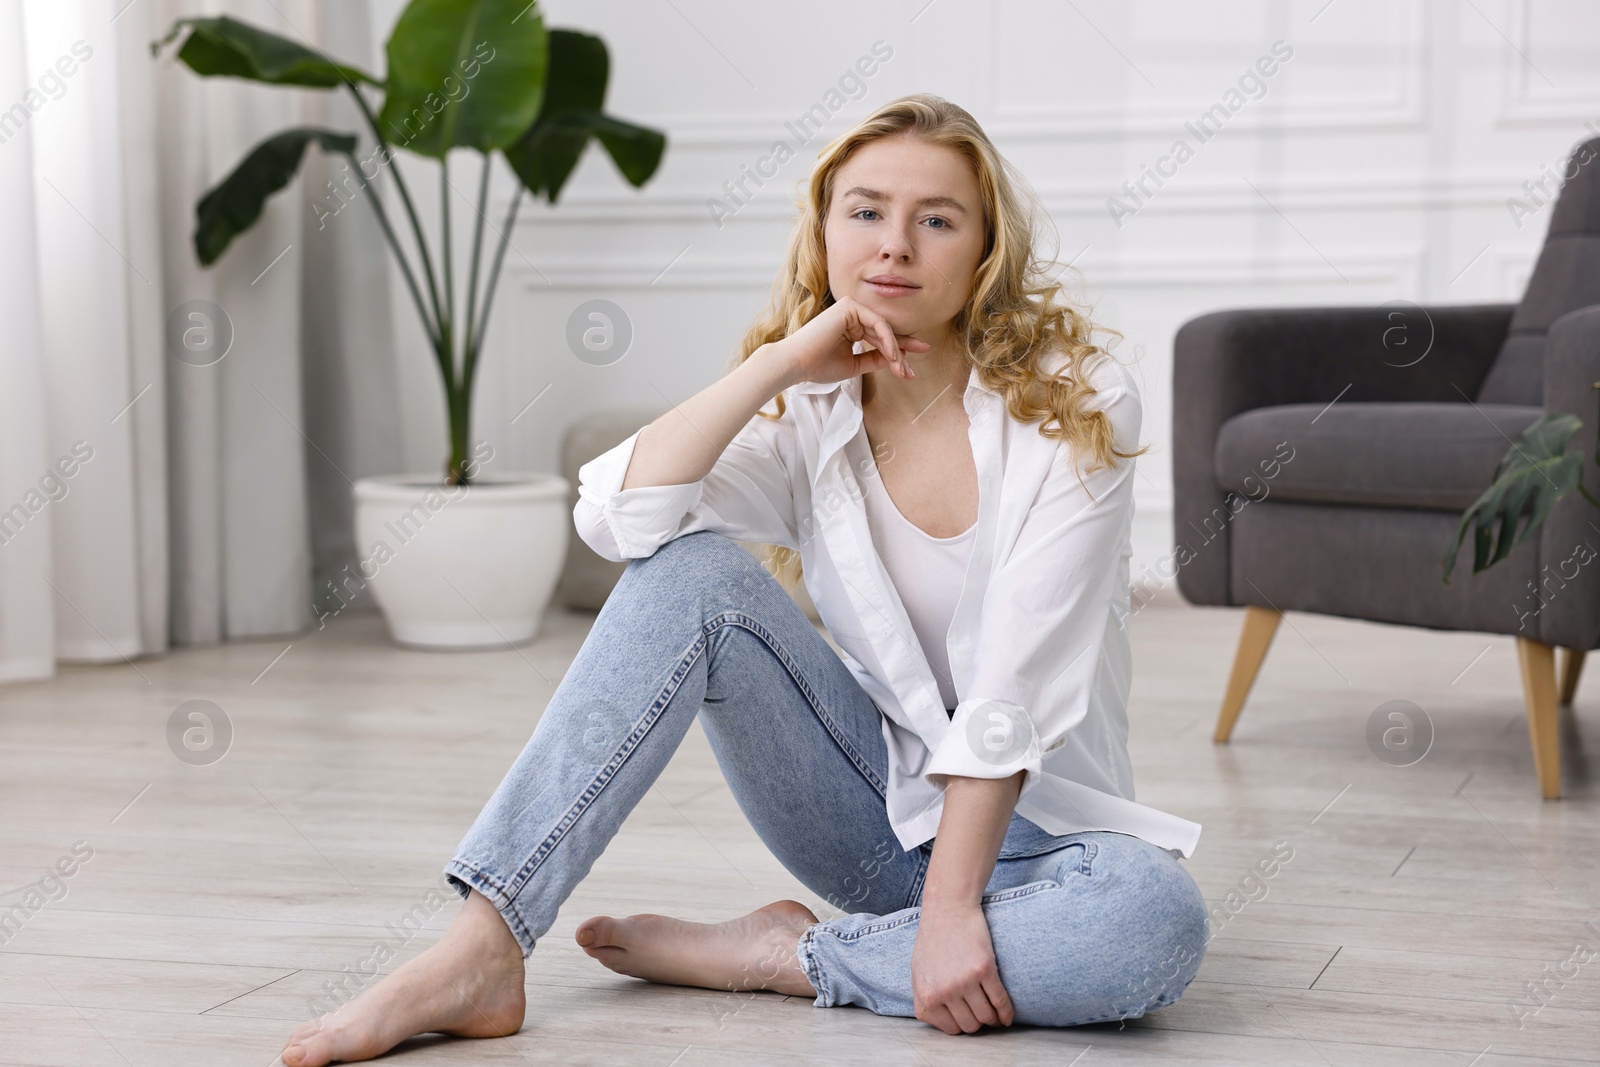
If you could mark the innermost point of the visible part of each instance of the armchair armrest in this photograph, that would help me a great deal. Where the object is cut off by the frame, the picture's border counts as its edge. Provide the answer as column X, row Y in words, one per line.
column 1227, row 362
column 1566, row 609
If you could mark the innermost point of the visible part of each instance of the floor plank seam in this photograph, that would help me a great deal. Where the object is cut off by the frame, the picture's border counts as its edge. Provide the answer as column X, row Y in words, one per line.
column 1325, row 967
column 258, row 988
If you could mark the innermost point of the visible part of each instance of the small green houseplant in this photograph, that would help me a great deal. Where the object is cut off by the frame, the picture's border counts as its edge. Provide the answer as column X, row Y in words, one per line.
column 1530, row 478
column 483, row 75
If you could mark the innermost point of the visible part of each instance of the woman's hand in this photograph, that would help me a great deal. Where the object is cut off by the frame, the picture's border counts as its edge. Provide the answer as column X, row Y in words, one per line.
column 955, row 983
column 823, row 349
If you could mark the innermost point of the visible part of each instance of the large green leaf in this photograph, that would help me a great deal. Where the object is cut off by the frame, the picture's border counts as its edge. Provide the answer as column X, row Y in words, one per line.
column 464, row 74
column 636, row 150
column 226, row 47
column 234, row 205
column 545, row 156
column 1528, row 481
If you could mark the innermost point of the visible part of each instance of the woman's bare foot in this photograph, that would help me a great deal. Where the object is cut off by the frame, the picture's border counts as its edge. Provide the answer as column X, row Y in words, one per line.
column 754, row 951
column 468, row 985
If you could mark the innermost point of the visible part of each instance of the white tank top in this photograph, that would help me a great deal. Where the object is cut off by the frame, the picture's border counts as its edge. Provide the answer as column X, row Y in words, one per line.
column 927, row 571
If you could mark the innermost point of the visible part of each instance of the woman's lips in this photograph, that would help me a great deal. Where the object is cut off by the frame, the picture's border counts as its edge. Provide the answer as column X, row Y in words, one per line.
column 886, row 289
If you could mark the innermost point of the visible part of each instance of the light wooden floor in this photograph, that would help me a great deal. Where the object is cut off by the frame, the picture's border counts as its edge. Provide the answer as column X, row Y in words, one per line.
column 1409, row 919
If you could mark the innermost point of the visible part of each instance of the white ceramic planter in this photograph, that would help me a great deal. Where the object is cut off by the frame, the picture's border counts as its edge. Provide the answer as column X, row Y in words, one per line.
column 465, row 566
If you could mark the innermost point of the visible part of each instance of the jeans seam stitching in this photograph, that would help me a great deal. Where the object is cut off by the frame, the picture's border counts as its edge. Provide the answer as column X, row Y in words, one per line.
column 1020, row 891
column 708, row 628
column 536, row 859
column 1042, row 850
column 503, row 902
column 739, row 618
column 914, row 897
column 472, row 868
column 812, row 969
column 877, row 928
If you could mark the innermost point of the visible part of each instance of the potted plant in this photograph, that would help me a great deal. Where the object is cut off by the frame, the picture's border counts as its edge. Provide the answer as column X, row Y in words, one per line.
column 1530, row 478
column 466, row 560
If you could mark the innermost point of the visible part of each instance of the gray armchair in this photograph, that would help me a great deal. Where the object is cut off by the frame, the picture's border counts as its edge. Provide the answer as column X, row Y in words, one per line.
column 1323, row 457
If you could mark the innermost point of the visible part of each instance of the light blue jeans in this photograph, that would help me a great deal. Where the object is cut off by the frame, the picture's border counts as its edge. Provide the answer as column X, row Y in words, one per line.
column 1086, row 928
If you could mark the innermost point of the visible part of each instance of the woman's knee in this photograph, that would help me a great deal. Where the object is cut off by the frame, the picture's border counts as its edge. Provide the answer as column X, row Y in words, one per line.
column 1167, row 915
column 1126, row 939
column 694, row 566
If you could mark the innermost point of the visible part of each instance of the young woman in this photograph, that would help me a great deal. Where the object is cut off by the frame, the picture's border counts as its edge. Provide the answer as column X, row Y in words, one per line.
column 950, row 459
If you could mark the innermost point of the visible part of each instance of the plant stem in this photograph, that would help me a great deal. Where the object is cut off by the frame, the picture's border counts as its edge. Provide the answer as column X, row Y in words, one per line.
column 489, row 288
column 442, row 337
column 399, row 254
column 477, row 244
column 405, row 199
column 447, row 253
column 458, row 401
column 459, row 408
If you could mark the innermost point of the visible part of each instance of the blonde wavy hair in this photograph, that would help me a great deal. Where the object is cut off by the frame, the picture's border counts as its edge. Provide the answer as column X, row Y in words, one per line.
column 1013, row 318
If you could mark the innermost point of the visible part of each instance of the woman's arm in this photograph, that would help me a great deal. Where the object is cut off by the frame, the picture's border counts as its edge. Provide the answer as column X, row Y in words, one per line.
column 954, row 979
column 715, row 462
column 684, row 444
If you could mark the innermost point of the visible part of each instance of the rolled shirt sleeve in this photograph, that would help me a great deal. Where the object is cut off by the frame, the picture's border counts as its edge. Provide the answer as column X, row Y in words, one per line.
column 747, row 495
column 1045, row 613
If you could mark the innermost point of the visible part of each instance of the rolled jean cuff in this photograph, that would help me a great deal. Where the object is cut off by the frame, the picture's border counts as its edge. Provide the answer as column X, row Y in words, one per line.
column 464, row 876
column 810, row 967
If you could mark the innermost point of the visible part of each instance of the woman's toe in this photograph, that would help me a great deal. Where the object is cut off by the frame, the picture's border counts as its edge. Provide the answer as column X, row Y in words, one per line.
column 314, row 1050
column 595, row 932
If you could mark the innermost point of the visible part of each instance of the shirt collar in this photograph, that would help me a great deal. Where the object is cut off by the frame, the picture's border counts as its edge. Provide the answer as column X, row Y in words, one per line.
column 851, row 387
column 844, row 418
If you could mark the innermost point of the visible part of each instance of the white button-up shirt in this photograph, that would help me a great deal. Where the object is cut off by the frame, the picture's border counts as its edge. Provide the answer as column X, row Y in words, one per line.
column 1038, row 647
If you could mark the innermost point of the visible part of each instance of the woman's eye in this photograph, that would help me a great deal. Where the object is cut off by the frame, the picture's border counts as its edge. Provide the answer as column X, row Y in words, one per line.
column 866, row 211
column 943, row 223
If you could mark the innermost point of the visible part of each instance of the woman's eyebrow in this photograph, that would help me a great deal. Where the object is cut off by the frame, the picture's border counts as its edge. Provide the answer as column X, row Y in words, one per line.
column 927, row 201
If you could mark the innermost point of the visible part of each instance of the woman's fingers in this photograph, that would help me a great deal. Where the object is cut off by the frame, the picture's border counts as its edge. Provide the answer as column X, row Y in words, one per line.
column 987, row 1004
column 998, row 997
column 963, row 1014
column 940, row 1016
column 887, row 345
column 876, row 334
column 873, row 358
column 982, row 1008
column 957, row 1014
column 893, row 351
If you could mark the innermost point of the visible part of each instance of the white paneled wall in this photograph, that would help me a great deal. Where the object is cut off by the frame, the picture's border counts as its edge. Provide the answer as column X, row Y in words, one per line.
column 1377, row 161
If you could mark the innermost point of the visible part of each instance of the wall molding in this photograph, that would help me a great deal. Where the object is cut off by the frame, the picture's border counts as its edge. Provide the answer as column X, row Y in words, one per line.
column 1181, row 195
column 755, row 134
column 1397, row 267
column 1405, row 110
column 1518, row 107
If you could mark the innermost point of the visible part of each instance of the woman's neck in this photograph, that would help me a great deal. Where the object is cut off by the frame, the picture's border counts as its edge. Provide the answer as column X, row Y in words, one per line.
column 942, row 375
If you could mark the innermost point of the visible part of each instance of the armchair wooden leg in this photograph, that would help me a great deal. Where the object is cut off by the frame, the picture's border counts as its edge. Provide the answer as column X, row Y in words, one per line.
column 1539, row 694
column 1571, row 669
column 1254, row 640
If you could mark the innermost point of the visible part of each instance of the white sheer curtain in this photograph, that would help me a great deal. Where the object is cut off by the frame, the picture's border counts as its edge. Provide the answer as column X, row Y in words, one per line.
column 146, row 500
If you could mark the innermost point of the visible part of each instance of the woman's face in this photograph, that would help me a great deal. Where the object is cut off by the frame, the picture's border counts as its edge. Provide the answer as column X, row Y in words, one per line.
column 904, row 233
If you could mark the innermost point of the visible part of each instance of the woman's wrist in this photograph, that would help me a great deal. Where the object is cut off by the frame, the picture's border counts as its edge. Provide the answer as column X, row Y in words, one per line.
column 953, row 881
column 948, row 900
column 977, row 812
column 775, row 367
